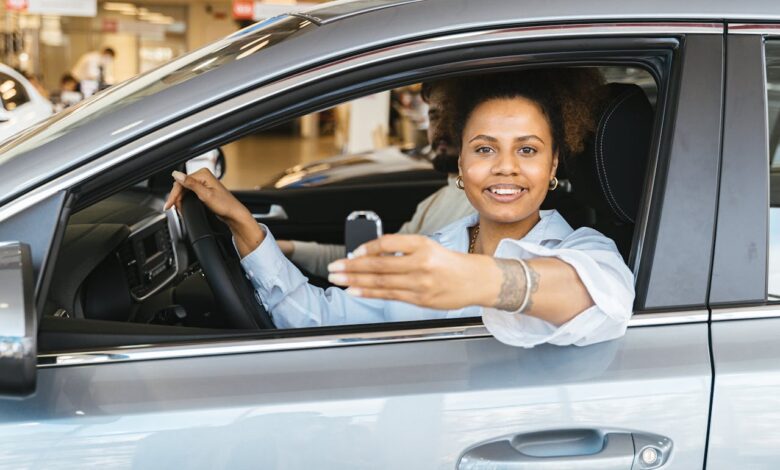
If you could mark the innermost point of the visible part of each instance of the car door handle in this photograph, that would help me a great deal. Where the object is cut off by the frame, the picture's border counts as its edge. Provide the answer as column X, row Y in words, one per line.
column 575, row 449
column 275, row 212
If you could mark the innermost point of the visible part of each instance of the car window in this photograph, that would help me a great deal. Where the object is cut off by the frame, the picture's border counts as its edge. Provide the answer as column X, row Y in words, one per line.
column 375, row 138
column 773, row 115
column 149, row 274
column 12, row 92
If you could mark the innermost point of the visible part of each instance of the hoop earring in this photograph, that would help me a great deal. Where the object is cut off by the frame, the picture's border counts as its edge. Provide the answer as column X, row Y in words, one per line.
column 459, row 182
column 553, row 183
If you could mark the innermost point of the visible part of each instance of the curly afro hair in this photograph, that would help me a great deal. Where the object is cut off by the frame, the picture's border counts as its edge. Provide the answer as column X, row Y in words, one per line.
column 568, row 97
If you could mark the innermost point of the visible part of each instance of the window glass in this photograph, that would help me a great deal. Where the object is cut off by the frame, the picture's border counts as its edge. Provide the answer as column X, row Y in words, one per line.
column 382, row 152
column 773, row 109
column 12, row 93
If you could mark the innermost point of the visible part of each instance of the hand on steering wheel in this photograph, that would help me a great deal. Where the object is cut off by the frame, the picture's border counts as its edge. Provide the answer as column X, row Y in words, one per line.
column 234, row 295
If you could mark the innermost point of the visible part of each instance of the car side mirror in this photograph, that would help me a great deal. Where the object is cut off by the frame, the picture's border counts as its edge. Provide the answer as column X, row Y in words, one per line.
column 18, row 319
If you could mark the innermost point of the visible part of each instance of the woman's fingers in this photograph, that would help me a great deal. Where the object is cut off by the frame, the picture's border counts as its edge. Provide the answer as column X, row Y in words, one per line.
column 392, row 244
column 375, row 264
column 377, row 281
column 174, row 197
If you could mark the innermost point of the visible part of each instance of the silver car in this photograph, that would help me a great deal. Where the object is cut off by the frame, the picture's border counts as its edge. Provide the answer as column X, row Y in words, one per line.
column 125, row 342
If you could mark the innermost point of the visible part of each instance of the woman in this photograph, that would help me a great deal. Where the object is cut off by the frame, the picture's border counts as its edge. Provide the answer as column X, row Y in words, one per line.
column 531, row 277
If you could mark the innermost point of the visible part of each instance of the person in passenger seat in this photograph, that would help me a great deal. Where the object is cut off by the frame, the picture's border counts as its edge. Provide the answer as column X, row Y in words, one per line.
column 444, row 206
column 531, row 277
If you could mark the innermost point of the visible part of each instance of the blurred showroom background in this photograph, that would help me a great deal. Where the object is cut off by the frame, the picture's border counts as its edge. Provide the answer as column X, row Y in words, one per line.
column 55, row 43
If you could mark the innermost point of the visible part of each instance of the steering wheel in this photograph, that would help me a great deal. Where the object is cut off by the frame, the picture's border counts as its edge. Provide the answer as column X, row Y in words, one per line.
column 233, row 293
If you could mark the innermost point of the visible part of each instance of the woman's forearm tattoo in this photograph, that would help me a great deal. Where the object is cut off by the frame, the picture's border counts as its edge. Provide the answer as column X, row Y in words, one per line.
column 514, row 284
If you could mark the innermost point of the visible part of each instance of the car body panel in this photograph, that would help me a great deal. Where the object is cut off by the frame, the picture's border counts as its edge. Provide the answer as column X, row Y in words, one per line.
column 390, row 402
column 404, row 405
column 745, row 424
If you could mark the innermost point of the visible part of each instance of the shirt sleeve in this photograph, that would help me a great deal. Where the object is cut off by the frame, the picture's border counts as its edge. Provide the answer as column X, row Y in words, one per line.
column 604, row 274
column 315, row 257
column 414, row 225
column 293, row 302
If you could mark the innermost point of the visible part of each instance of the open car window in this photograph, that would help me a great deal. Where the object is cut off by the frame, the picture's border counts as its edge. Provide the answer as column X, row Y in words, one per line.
column 125, row 261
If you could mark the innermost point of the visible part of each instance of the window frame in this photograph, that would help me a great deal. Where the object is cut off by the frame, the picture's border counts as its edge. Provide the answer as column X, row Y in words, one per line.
column 218, row 124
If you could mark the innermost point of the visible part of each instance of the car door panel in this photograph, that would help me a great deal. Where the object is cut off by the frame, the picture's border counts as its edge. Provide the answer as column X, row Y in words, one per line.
column 746, row 401
column 416, row 405
column 390, row 400
column 745, row 423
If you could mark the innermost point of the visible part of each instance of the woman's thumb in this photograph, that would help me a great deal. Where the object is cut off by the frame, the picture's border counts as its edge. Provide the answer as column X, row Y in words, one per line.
column 180, row 178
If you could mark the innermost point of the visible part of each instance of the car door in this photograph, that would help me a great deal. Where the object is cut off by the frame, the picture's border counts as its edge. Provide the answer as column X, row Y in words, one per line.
column 745, row 288
column 429, row 394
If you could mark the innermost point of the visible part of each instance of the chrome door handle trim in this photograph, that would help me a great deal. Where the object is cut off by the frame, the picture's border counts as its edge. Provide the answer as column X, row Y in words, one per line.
column 586, row 449
column 276, row 212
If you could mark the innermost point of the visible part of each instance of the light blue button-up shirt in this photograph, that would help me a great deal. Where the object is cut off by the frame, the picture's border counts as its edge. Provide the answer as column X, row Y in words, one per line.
column 294, row 303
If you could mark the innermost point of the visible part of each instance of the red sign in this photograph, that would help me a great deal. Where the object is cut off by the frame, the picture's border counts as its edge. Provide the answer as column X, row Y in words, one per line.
column 16, row 5
column 243, row 9
column 110, row 25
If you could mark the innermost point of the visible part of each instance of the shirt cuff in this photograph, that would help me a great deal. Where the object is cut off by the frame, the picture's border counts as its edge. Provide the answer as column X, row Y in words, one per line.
column 268, row 270
column 611, row 291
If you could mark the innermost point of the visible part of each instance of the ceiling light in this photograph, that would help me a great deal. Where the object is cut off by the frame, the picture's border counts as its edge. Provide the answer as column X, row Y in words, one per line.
column 117, row 6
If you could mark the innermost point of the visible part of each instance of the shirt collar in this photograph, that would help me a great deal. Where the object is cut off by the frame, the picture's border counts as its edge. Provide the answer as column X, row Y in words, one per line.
column 551, row 226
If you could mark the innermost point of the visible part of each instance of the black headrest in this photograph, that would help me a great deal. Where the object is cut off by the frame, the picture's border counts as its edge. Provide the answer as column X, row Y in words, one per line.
column 610, row 174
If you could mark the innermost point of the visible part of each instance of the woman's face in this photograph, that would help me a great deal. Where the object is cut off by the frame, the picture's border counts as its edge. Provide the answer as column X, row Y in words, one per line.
column 507, row 159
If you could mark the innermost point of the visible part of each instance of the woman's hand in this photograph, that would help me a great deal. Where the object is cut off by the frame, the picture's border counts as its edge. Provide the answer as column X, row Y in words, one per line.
column 426, row 274
column 220, row 201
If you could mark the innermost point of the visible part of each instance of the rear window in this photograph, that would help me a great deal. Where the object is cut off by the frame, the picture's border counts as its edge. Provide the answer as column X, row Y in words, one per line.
column 773, row 115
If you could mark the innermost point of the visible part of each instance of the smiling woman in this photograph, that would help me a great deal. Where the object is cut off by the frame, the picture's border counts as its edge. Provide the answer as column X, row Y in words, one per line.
column 530, row 276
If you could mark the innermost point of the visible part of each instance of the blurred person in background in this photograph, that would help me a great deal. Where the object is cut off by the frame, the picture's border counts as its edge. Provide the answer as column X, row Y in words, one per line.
column 95, row 71
column 68, row 94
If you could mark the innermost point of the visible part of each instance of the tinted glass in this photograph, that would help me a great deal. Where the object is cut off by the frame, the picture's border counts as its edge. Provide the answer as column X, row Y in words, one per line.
column 773, row 109
column 237, row 46
column 12, row 92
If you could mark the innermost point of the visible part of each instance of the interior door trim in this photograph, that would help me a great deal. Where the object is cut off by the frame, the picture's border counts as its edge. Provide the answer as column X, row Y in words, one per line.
column 233, row 346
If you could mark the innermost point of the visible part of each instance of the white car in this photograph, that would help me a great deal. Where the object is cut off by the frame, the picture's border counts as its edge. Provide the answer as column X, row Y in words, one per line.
column 22, row 104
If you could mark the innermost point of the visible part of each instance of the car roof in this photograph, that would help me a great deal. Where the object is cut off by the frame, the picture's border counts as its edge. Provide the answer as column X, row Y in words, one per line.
column 333, row 30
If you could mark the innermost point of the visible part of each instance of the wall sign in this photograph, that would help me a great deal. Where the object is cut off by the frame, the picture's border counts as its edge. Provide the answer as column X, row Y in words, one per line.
column 54, row 7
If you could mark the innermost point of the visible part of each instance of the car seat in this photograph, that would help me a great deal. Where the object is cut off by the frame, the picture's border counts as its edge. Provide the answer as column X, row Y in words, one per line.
column 608, row 177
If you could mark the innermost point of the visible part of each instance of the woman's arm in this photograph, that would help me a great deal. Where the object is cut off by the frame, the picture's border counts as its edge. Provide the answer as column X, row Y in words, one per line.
column 432, row 276
column 221, row 202
column 556, row 294
column 282, row 288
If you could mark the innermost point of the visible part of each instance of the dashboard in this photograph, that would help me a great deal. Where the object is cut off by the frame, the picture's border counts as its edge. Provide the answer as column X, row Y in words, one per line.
column 148, row 256
column 125, row 259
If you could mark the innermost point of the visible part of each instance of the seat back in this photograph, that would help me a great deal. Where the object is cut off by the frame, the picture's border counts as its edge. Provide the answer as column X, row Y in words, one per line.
column 609, row 176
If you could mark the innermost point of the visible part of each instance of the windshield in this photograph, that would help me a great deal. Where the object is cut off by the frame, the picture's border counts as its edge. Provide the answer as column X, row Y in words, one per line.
column 237, row 46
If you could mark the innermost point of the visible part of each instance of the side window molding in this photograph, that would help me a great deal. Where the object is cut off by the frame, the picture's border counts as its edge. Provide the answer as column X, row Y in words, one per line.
column 680, row 231
column 739, row 264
